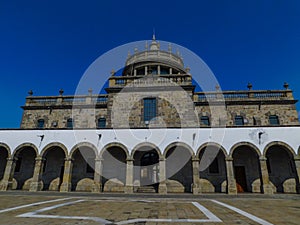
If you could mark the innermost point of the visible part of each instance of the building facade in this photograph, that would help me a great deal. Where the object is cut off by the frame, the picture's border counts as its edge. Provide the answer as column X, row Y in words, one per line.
column 152, row 132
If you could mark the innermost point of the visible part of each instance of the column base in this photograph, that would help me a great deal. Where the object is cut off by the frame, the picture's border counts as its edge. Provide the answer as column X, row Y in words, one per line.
column 162, row 189
column 4, row 185
column 35, row 186
column 232, row 190
column 65, row 187
column 128, row 189
column 97, row 187
column 268, row 190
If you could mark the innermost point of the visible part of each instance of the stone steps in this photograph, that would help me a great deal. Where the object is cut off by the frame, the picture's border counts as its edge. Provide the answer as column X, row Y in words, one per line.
column 146, row 189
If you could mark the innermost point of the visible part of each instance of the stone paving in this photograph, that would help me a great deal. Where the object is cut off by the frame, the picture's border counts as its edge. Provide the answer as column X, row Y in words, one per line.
column 49, row 208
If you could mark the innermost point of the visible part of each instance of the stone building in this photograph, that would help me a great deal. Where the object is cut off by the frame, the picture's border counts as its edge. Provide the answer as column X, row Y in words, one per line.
column 153, row 132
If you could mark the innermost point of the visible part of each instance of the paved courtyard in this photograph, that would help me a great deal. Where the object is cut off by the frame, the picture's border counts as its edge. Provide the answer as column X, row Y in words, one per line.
column 50, row 208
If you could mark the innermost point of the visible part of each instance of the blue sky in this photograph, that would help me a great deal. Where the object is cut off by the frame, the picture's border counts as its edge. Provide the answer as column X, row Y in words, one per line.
column 48, row 45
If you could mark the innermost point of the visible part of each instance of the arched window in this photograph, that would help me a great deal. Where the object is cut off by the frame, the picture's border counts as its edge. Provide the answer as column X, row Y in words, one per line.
column 40, row 123
column 70, row 123
column 101, row 123
column 273, row 120
column 239, row 121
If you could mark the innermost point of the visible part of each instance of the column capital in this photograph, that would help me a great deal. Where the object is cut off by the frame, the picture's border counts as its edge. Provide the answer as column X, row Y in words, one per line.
column 69, row 159
column 162, row 158
column 39, row 158
column 97, row 159
column 195, row 159
column 262, row 158
column 297, row 158
column 129, row 159
column 228, row 158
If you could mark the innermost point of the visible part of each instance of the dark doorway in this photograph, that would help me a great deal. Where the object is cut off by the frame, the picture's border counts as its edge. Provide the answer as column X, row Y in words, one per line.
column 240, row 176
column 149, row 169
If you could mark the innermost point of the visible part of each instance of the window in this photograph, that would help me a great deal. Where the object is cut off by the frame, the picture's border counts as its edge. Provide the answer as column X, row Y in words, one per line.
column 273, row 120
column 70, row 123
column 101, row 123
column 214, row 166
column 149, row 108
column 41, row 123
column 238, row 121
column 204, row 120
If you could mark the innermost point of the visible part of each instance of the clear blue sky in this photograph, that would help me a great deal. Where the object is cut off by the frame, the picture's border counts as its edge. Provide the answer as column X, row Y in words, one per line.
column 47, row 45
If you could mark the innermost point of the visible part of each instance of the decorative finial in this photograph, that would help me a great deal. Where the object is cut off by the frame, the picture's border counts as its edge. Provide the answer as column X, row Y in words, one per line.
column 249, row 86
column 30, row 92
column 177, row 52
column 146, row 45
column 286, row 85
column 90, row 91
column 187, row 70
column 128, row 55
column 135, row 50
column 61, row 91
column 153, row 35
column 112, row 72
column 217, row 87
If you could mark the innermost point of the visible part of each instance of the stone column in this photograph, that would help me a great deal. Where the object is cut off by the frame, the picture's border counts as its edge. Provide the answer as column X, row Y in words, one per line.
column 146, row 70
column 67, row 178
column 162, row 188
column 231, row 183
column 266, row 186
column 7, row 181
column 36, row 184
column 129, row 176
column 97, row 187
column 158, row 69
column 196, row 178
column 297, row 164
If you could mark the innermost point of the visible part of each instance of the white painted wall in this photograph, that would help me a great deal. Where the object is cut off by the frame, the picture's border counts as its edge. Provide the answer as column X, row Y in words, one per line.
column 226, row 137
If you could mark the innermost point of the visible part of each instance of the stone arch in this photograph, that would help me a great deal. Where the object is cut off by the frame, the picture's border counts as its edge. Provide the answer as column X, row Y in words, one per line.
column 247, row 171
column 113, row 156
column 146, row 144
column 282, row 144
column 213, row 144
column 83, row 144
column 4, row 154
column 212, row 168
column 179, row 144
column 27, row 144
column 24, row 164
column 244, row 143
column 114, row 144
column 53, row 155
column 179, row 165
column 281, row 167
column 83, row 157
column 146, row 166
column 3, row 145
column 54, row 144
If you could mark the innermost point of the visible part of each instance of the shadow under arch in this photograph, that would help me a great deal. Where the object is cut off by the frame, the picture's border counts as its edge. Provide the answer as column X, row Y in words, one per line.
column 7, row 148
column 246, row 164
column 54, row 155
column 179, row 144
column 282, row 144
column 212, row 168
column 179, row 168
column 114, row 144
column 54, row 144
column 25, row 145
column 81, row 145
column 211, row 144
column 147, row 145
column 244, row 143
column 281, row 167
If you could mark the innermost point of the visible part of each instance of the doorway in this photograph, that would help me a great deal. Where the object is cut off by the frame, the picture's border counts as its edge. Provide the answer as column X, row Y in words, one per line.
column 240, row 176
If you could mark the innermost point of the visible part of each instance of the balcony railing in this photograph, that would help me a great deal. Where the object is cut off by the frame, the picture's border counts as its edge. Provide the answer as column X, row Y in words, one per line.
column 66, row 100
column 245, row 95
